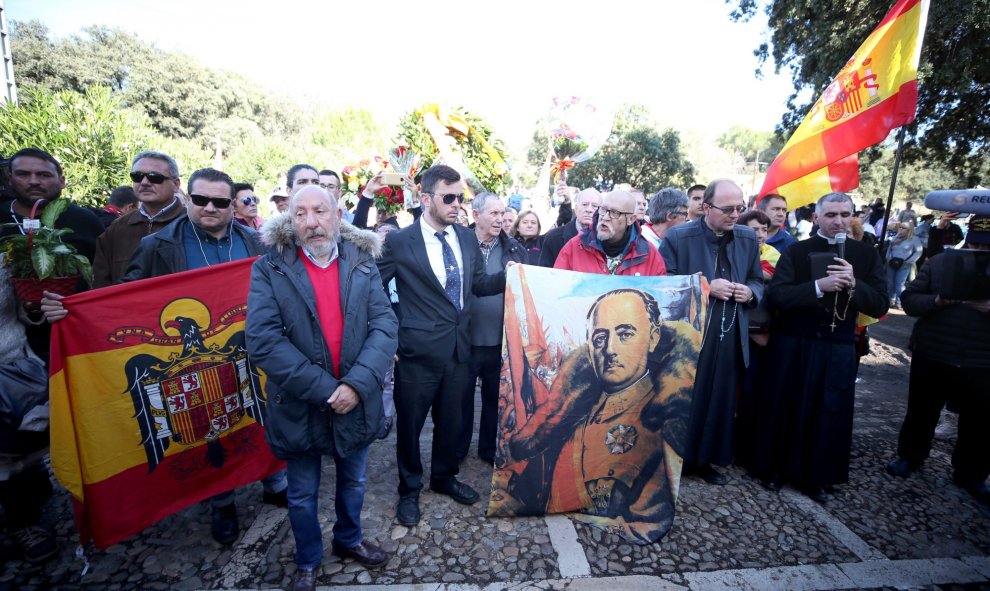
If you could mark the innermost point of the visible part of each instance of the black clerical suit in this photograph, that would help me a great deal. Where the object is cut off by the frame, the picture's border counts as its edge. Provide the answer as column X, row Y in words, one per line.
column 806, row 408
column 434, row 348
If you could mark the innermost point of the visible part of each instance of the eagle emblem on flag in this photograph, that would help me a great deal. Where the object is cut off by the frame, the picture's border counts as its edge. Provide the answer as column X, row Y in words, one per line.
column 197, row 395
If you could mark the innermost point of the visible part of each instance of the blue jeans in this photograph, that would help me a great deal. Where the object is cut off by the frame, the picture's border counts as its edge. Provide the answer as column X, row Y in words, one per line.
column 273, row 484
column 895, row 281
column 304, row 494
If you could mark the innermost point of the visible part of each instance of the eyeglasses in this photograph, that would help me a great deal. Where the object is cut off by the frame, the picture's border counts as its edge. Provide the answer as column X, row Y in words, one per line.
column 153, row 177
column 330, row 186
column 608, row 212
column 247, row 201
column 728, row 209
column 218, row 202
column 683, row 212
column 449, row 198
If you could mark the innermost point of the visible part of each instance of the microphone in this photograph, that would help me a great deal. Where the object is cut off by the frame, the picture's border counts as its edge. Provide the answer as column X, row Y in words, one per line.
column 963, row 200
column 840, row 242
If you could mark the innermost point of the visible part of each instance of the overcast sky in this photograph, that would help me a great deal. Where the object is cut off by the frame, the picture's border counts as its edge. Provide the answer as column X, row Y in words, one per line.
column 687, row 61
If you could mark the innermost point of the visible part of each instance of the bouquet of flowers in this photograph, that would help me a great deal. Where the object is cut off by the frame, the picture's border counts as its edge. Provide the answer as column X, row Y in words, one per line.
column 388, row 199
column 405, row 162
column 577, row 130
column 357, row 176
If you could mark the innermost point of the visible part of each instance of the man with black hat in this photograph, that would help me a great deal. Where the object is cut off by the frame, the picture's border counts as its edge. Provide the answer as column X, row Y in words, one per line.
column 951, row 357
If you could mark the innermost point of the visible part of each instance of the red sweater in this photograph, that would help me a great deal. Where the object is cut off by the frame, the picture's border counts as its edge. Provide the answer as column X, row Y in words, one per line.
column 326, row 288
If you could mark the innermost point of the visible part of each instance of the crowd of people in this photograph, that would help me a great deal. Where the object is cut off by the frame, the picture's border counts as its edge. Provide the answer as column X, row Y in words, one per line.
column 404, row 322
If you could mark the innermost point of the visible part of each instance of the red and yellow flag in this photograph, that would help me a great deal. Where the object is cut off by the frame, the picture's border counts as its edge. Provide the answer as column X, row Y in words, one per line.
column 155, row 405
column 875, row 92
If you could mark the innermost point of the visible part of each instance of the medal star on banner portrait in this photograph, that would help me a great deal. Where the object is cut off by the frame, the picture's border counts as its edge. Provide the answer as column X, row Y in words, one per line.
column 594, row 398
column 874, row 93
column 155, row 405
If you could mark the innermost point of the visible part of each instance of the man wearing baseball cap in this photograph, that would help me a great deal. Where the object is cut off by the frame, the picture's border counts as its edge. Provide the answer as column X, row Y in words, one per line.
column 951, row 359
column 281, row 200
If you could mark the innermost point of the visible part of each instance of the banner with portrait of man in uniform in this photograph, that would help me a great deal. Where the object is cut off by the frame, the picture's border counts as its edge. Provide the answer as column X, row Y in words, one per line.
column 594, row 398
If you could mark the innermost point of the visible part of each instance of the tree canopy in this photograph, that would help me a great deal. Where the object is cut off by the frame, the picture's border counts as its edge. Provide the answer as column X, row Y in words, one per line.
column 747, row 145
column 90, row 133
column 181, row 97
column 814, row 39
column 637, row 153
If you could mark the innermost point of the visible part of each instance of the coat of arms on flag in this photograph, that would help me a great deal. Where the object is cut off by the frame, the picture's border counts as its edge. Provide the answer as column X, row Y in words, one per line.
column 158, row 408
column 197, row 395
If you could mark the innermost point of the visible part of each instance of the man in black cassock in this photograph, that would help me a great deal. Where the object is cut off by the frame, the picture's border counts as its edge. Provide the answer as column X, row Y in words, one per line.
column 806, row 407
column 727, row 254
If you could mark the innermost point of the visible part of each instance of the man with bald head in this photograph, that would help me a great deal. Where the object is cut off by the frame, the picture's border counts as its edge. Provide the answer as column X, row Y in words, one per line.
column 585, row 205
column 613, row 244
column 727, row 254
column 325, row 391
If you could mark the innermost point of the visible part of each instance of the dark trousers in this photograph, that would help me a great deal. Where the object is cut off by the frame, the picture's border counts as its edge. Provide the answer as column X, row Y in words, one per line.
column 428, row 386
column 931, row 384
column 486, row 363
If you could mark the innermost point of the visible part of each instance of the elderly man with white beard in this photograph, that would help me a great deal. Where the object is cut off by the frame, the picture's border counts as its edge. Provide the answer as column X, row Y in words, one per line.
column 317, row 284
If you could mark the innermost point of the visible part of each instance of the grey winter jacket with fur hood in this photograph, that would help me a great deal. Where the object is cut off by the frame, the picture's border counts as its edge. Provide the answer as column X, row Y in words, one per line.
column 285, row 340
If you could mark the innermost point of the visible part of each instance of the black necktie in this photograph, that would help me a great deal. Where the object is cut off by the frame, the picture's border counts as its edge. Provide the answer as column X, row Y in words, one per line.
column 453, row 285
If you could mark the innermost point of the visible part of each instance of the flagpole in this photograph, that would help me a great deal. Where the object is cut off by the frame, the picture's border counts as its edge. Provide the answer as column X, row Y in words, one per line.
column 893, row 181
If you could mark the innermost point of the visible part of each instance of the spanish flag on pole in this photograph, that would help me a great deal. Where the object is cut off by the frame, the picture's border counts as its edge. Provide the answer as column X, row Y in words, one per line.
column 155, row 405
column 874, row 93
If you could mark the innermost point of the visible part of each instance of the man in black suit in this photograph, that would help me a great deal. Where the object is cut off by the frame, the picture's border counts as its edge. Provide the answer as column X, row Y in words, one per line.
column 438, row 269
column 585, row 205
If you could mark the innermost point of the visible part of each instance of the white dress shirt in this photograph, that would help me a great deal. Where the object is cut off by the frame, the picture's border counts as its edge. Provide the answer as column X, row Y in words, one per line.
column 434, row 252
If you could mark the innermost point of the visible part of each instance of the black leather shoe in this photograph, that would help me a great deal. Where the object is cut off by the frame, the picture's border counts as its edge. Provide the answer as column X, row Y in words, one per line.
column 225, row 529
column 711, row 475
column 979, row 490
column 279, row 499
column 815, row 493
column 771, row 484
column 488, row 458
column 304, row 580
column 456, row 490
column 365, row 553
column 902, row 468
column 407, row 511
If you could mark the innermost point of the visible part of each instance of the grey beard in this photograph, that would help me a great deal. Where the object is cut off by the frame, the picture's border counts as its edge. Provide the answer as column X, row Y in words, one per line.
column 322, row 250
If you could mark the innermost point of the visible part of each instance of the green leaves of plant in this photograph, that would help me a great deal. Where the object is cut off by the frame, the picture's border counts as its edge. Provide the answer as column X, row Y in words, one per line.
column 52, row 211
column 44, row 262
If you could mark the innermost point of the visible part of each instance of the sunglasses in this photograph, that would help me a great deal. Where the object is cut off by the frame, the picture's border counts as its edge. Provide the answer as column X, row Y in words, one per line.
column 449, row 198
column 249, row 200
column 153, row 177
column 218, row 202
column 729, row 209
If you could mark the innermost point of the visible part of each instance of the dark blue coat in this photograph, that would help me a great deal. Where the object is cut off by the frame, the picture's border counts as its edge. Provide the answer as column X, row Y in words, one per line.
column 285, row 340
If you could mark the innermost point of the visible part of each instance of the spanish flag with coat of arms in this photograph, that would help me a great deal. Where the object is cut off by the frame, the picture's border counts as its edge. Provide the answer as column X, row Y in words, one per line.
column 155, row 405
column 875, row 92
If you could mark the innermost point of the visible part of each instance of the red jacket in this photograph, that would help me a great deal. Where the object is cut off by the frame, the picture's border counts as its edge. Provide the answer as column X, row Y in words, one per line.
column 584, row 253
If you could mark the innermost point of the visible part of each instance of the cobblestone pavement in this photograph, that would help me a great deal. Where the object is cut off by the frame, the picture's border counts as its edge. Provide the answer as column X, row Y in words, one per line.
column 876, row 531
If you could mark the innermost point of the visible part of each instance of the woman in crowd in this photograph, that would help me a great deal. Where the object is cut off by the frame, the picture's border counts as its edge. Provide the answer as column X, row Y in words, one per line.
column 759, row 336
column 509, row 217
column 905, row 248
column 526, row 229
column 246, row 206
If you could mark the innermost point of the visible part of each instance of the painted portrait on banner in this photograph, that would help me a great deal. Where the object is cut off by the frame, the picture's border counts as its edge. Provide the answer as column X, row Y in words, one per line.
column 594, row 397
